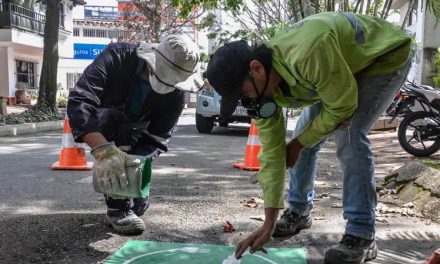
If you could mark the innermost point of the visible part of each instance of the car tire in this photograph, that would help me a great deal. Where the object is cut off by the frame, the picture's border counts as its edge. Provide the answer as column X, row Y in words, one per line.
column 204, row 124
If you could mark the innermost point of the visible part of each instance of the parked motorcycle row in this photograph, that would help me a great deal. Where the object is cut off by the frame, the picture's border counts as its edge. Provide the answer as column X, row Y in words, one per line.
column 418, row 107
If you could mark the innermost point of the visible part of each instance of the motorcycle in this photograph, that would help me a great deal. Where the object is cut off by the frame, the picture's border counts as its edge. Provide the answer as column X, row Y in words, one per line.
column 407, row 100
column 419, row 131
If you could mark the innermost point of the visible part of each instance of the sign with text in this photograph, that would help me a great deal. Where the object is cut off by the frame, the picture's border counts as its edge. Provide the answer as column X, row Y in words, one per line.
column 87, row 51
column 101, row 12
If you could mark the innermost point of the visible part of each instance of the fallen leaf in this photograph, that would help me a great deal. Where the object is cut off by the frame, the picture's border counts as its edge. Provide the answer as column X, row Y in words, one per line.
column 228, row 228
column 400, row 187
column 253, row 202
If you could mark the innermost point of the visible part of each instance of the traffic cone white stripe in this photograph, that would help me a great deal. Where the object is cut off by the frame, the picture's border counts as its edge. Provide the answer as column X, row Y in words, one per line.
column 72, row 155
column 68, row 142
column 253, row 140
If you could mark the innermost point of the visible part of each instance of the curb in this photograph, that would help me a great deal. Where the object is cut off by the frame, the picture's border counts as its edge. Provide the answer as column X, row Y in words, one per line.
column 29, row 128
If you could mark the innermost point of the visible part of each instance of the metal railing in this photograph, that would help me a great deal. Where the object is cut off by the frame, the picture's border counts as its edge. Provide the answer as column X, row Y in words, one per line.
column 16, row 16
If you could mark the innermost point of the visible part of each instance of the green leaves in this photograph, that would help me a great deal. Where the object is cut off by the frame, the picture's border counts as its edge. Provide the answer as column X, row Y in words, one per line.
column 186, row 7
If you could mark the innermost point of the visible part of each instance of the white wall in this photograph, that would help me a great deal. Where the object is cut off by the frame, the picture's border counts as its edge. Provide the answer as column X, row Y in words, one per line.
column 432, row 31
column 4, row 72
column 8, row 55
column 70, row 66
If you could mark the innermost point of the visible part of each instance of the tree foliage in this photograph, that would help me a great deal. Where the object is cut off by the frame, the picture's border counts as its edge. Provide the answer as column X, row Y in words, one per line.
column 260, row 20
column 148, row 20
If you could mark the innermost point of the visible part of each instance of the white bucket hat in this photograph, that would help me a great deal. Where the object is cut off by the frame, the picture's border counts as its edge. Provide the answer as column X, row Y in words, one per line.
column 174, row 63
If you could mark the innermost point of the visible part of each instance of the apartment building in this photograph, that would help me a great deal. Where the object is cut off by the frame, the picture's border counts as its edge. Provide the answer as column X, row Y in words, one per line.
column 95, row 25
column 21, row 43
column 93, row 29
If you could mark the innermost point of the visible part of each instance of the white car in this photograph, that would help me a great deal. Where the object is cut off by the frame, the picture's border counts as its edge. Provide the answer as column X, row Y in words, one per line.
column 208, row 111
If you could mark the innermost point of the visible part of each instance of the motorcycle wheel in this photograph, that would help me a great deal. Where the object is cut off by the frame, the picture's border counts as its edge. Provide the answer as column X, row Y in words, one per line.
column 419, row 134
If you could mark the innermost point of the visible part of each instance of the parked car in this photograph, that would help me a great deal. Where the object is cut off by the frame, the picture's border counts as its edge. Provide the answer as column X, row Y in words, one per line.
column 208, row 111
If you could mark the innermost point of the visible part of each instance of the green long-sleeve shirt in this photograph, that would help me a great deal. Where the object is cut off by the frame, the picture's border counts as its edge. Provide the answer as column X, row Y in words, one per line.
column 318, row 58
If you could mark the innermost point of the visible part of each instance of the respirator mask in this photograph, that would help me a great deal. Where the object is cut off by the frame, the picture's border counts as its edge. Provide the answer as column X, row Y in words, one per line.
column 259, row 107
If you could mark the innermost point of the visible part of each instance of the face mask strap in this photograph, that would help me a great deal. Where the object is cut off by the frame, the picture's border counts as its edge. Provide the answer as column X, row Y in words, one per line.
column 258, row 102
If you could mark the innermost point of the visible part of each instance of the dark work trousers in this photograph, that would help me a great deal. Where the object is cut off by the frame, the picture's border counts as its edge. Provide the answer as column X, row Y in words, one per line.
column 115, row 126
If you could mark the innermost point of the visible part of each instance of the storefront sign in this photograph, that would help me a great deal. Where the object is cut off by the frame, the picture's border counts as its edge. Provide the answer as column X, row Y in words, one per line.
column 87, row 51
column 101, row 12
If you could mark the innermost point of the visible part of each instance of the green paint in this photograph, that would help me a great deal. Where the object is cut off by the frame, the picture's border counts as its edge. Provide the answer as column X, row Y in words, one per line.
column 146, row 177
column 137, row 252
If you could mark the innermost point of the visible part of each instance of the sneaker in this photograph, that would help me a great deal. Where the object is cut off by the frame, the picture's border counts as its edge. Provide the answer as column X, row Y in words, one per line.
column 140, row 205
column 291, row 223
column 124, row 222
column 351, row 249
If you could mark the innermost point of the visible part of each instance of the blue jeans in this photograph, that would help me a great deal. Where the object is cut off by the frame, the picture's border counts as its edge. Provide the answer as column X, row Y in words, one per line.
column 354, row 153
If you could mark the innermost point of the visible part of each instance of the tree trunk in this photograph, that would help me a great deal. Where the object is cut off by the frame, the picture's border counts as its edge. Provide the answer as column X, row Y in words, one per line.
column 376, row 5
column 48, row 80
column 317, row 6
column 388, row 9
column 367, row 9
column 301, row 8
column 357, row 6
column 384, row 8
column 408, row 13
column 307, row 8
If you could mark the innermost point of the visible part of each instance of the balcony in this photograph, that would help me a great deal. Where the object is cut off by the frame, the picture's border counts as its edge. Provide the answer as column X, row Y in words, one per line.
column 13, row 16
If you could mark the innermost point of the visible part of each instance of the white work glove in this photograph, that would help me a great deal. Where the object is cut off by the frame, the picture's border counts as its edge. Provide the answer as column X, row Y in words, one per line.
column 110, row 168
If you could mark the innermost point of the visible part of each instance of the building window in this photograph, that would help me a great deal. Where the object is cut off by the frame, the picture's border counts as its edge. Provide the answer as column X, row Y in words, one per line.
column 72, row 79
column 25, row 72
column 76, row 32
column 62, row 15
column 103, row 33
column 88, row 32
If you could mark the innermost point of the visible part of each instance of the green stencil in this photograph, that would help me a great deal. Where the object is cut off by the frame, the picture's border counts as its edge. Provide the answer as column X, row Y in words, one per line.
column 137, row 252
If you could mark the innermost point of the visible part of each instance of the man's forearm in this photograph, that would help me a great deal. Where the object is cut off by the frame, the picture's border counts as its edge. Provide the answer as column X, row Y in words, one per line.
column 94, row 139
column 271, row 216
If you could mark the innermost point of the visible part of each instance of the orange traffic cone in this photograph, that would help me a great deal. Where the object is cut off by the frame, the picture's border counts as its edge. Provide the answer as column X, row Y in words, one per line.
column 435, row 258
column 73, row 155
column 253, row 147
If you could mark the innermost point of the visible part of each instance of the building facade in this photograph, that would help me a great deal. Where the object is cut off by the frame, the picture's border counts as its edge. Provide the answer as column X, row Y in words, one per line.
column 21, row 44
column 95, row 25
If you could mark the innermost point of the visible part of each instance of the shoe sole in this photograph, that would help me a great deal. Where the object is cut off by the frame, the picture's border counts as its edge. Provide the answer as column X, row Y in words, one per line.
column 135, row 228
column 295, row 232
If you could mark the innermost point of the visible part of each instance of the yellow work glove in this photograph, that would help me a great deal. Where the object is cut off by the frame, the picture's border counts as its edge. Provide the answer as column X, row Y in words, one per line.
column 110, row 168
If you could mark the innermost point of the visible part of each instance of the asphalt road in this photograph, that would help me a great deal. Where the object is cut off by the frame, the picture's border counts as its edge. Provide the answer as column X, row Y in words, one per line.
column 56, row 217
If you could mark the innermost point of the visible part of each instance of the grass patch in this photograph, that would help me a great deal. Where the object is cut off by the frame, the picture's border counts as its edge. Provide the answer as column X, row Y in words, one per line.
column 432, row 164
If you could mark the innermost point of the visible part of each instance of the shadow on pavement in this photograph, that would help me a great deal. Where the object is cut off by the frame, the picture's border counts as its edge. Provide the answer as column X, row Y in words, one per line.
column 56, row 238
